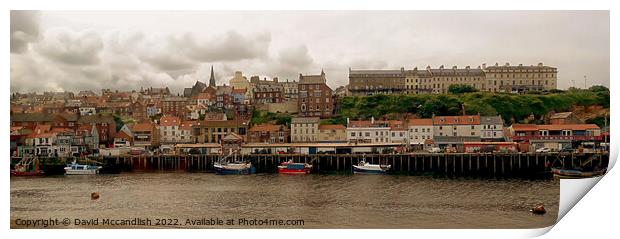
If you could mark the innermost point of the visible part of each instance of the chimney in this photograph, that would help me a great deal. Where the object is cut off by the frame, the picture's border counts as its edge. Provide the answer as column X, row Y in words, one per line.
column 428, row 67
column 275, row 79
column 415, row 68
column 467, row 67
column 372, row 120
column 484, row 66
column 347, row 121
column 507, row 64
column 520, row 65
column 441, row 67
column 496, row 64
column 402, row 69
column 540, row 64
column 454, row 68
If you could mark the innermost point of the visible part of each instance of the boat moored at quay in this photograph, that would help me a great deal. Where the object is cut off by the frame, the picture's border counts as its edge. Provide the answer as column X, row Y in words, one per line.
column 81, row 169
column 225, row 168
column 289, row 167
column 364, row 167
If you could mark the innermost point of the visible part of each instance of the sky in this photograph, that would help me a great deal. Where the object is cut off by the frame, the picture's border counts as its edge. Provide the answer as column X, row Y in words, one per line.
column 81, row 50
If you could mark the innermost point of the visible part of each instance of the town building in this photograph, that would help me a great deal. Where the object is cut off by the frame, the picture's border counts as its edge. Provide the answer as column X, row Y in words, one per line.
column 315, row 97
column 520, row 78
column 452, row 131
column 266, row 92
column 368, row 131
column 371, row 82
column 212, row 131
column 332, row 133
column 554, row 136
column 145, row 135
column 304, row 129
column 239, row 81
column 268, row 133
column 174, row 105
column 439, row 80
column 290, row 89
column 105, row 124
column 398, row 132
column 492, row 128
column 169, row 129
column 420, row 130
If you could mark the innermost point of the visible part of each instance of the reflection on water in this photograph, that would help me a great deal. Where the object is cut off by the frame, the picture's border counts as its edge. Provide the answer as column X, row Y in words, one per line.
column 322, row 201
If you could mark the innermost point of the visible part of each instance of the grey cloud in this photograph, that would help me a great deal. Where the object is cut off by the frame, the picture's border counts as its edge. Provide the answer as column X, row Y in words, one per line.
column 24, row 29
column 70, row 47
column 231, row 46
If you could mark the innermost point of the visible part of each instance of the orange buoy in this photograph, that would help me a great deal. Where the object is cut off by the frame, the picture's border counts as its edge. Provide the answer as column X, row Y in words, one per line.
column 540, row 209
column 94, row 196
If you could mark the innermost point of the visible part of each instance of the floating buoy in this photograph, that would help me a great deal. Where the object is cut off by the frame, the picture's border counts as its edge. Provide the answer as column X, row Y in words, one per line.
column 94, row 196
column 540, row 209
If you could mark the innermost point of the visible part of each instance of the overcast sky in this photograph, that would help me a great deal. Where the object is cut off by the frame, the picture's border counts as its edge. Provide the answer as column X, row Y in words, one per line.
column 54, row 50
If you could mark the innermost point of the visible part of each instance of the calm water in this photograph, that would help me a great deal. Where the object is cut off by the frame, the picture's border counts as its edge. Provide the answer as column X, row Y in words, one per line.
column 322, row 201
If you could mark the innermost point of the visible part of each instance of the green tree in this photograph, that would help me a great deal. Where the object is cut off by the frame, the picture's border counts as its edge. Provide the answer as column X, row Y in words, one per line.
column 461, row 88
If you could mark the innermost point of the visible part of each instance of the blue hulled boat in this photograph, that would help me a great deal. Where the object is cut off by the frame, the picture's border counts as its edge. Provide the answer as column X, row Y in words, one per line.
column 234, row 168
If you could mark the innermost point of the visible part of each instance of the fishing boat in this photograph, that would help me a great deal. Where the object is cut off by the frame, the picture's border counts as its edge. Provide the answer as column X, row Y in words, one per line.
column 294, row 168
column 80, row 169
column 27, row 167
column 224, row 168
column 364, row 167
column 575, row 173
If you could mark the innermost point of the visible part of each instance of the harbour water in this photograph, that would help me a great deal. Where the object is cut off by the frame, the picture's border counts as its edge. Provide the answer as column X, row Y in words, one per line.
column 321, row 201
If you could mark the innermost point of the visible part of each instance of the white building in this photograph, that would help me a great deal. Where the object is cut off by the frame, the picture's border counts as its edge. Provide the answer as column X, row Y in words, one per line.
column 420, row 130
column 457, row 126
column 368, row 131
column 87, row 111
column 169, row 129
column 305, row 129
column 398, row 132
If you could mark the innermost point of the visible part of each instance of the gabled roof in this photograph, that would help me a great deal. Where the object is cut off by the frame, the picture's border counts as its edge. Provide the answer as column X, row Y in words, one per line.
column 420, row 122
column 491, row 120
column 232, row 136
column 141, row 127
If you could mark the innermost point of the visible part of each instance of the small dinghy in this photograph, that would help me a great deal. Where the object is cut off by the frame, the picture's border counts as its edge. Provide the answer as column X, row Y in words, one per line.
column 364, row 167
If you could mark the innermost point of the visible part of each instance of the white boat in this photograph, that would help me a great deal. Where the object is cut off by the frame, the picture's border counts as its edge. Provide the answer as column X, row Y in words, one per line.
column 364, row 167
column 80, row 169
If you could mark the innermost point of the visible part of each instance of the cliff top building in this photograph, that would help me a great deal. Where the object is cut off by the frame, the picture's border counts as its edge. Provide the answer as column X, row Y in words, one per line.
column 239, row 81
column 370, row 82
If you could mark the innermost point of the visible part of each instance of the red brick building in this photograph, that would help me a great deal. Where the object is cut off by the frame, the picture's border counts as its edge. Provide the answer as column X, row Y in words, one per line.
column 315, row 97
column 269, row 133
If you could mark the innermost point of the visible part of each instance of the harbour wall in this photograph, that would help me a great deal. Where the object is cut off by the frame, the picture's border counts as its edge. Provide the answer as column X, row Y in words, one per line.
column 522, row 165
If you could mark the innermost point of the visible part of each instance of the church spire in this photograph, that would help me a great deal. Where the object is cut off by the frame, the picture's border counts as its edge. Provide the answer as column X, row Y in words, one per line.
column 212, row 79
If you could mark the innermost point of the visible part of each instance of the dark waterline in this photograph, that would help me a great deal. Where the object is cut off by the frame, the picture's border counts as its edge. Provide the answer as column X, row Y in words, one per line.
column 322, row 201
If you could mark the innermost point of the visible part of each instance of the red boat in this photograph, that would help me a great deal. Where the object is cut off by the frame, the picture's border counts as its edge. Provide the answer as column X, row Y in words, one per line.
column 22, row 168
column 294, row 168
